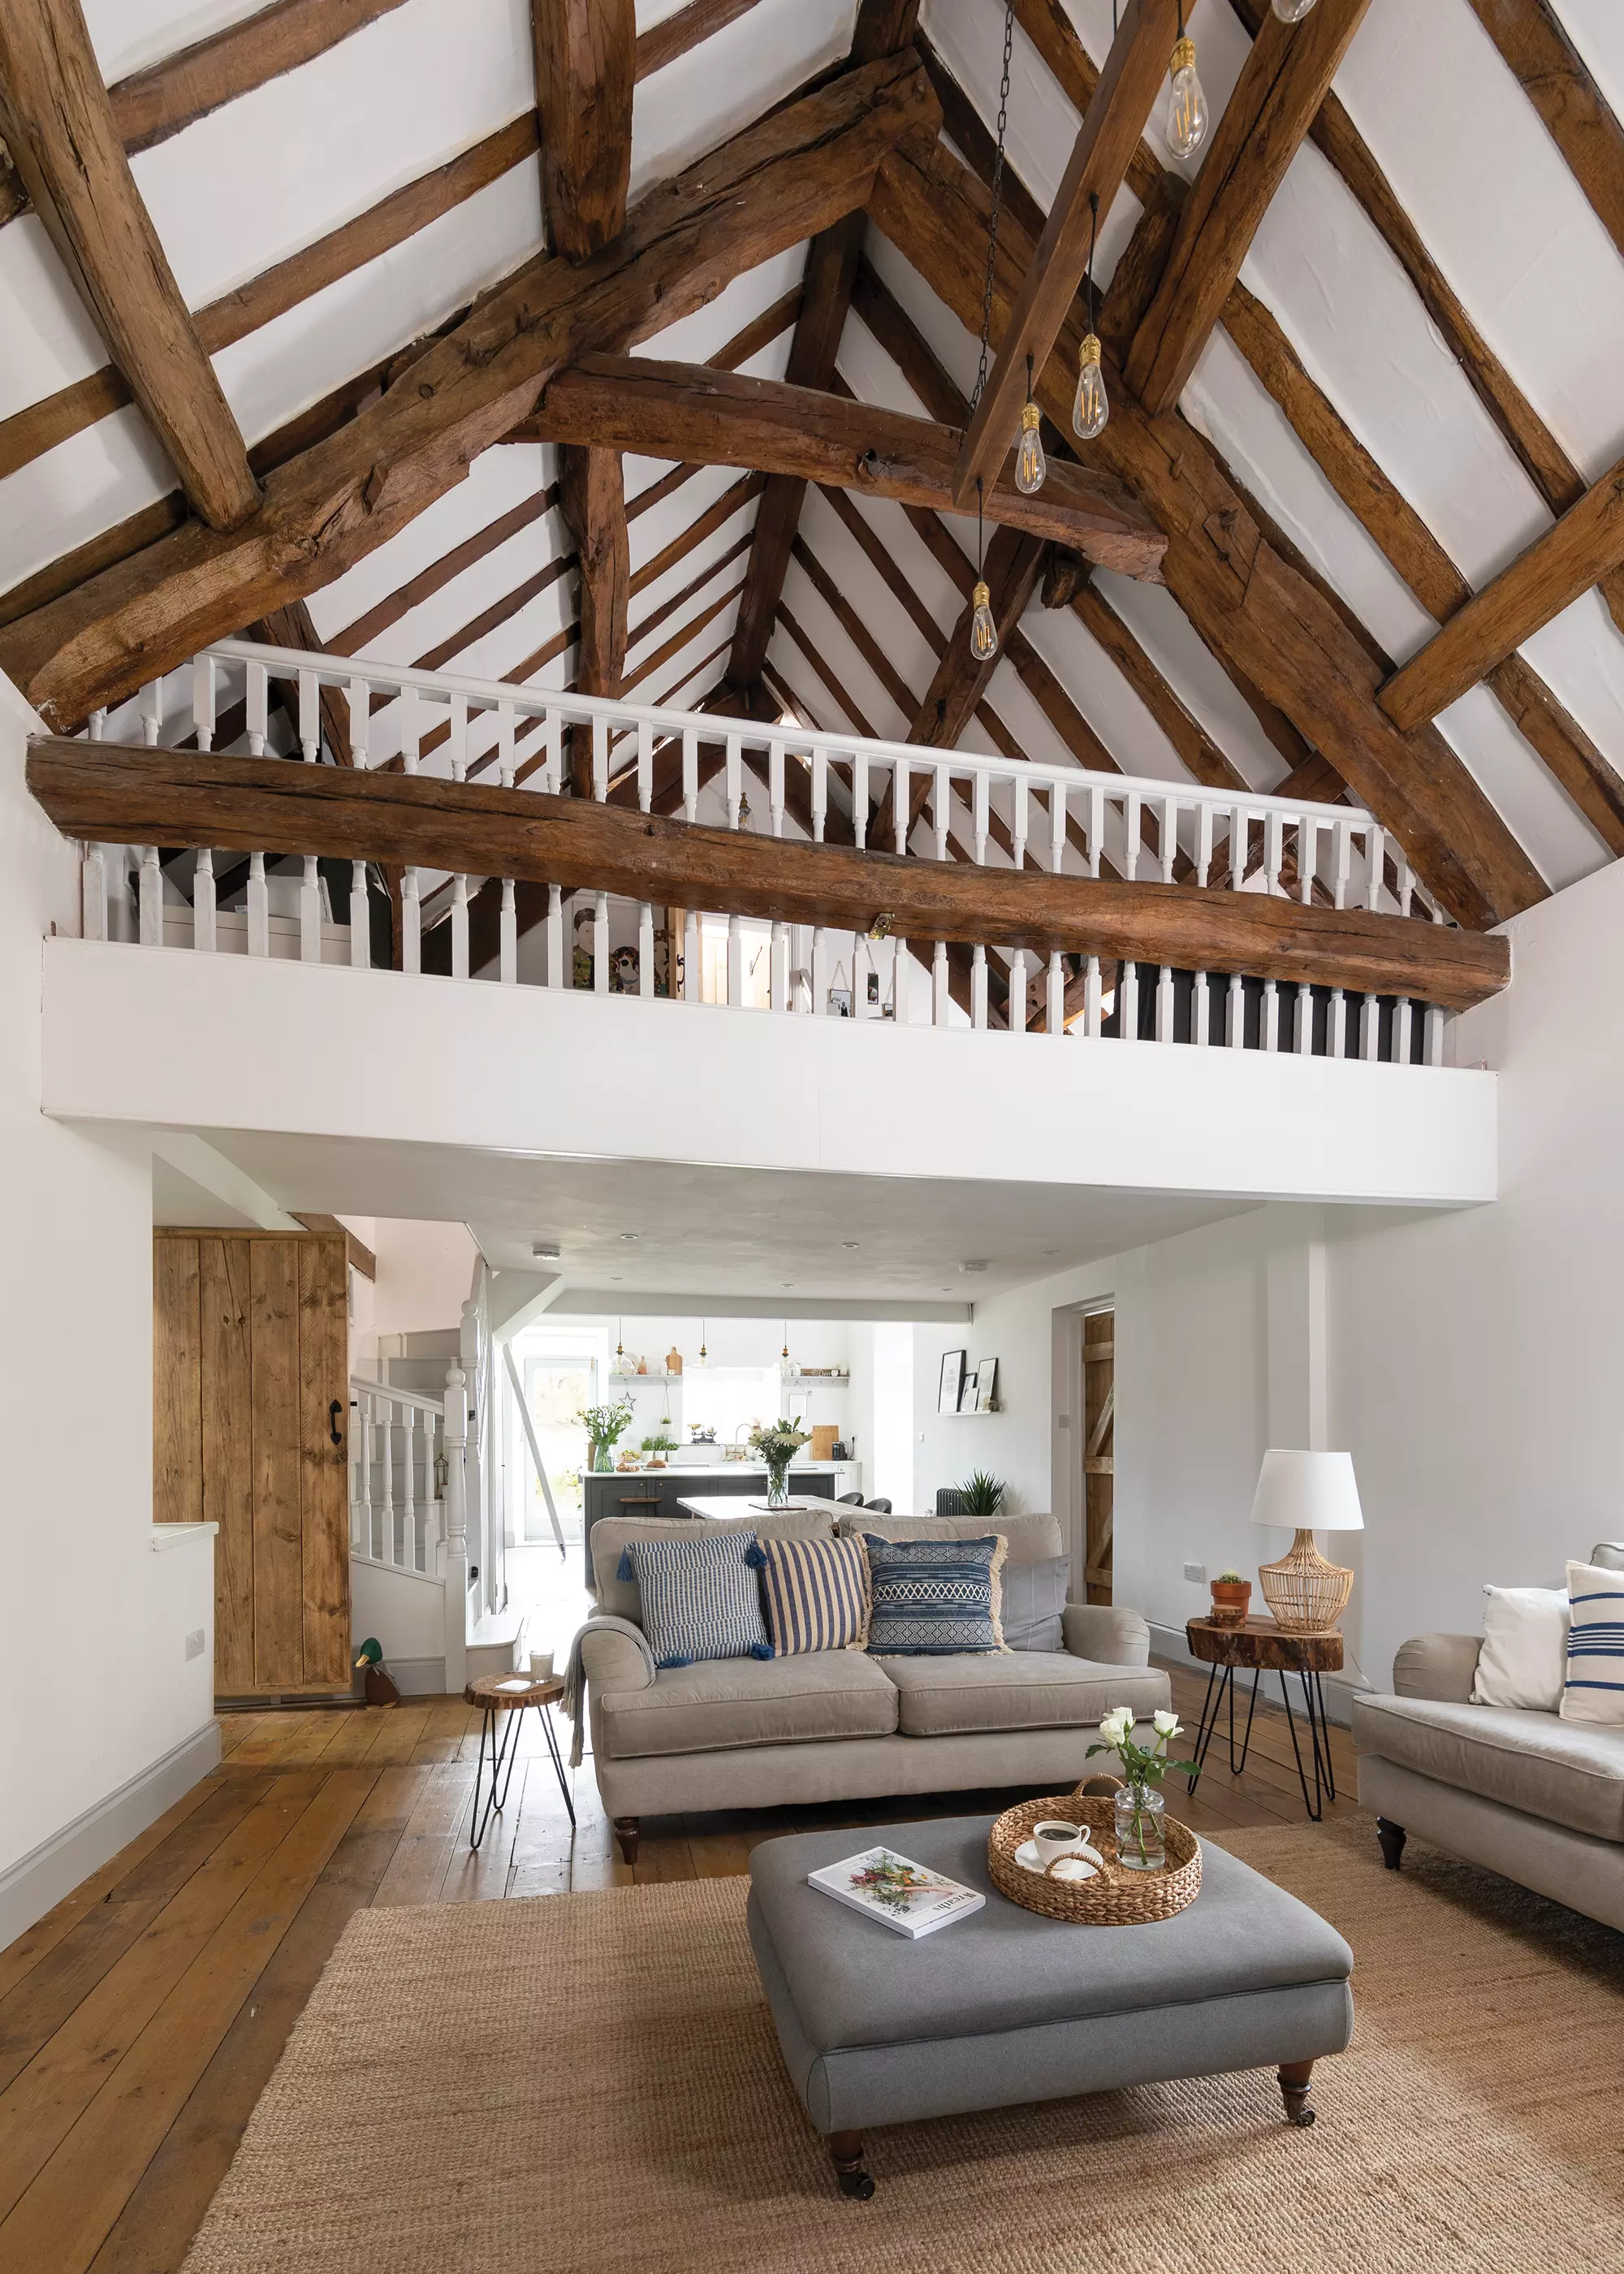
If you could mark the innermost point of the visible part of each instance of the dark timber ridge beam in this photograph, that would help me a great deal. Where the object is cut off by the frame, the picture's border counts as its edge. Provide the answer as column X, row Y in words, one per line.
column 884, row 27
column 1106, row 145
column 111, row 793
column 688, row 411
column 1276, row 99
column 1249, row 604
column 58, row 127
column 585, row 67
column 769, row 188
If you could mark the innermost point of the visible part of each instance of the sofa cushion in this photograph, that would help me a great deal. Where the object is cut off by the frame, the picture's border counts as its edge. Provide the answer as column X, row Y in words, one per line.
column 927, row 1597
column 1034, row 1601
column 1022, row 1690
column 1564, row 1772
column 1026, row 1539
column 726, row 1703
column 1594, row 1689
column 701, row 1597
column 815, row 1592
column 619, row 1599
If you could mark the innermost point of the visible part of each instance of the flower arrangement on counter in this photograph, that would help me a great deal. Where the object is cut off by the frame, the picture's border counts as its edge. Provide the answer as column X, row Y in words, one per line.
column 777, row 1444
column 604, row 1425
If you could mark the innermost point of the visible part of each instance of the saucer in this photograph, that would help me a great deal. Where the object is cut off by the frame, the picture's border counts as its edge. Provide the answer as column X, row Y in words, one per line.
column 1026, row 1856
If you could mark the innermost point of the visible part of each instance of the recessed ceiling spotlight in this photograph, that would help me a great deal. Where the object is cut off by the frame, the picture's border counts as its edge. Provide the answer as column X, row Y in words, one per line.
column 788, row 1283
column 614, row 1278
column 977, row 1266
column 628, row 1235
column 848, row 1243
column 546, row 1251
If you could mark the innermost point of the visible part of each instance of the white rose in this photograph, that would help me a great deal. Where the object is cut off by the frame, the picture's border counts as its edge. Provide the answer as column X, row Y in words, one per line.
column 1167, row 1725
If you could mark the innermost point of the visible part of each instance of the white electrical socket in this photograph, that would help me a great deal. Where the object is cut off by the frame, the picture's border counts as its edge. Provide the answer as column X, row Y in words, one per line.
column 195, row 1641
column 1198, row 1573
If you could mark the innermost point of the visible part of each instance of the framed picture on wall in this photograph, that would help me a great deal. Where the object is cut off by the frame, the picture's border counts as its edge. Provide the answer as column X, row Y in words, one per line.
column 986, row 1384
column 966, row 1394
column 952, row 1380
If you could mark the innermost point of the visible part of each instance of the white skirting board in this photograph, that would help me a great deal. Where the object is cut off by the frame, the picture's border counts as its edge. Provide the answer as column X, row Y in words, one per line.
column 1340, row 1689
column 425, row 1677
column 37, row 1881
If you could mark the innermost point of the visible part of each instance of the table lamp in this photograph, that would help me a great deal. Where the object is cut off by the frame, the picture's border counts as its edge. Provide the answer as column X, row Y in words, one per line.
column 1306, row 1493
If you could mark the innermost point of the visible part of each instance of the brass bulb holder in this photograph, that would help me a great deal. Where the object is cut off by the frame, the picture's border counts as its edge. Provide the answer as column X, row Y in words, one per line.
column 981, row 598
column 1183, row 56
column 1030, row 417
column 1089, row 352
column 1306, row 1594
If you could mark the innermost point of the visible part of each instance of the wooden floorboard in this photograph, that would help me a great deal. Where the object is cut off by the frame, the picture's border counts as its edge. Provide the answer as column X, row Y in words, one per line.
column 141, row 2019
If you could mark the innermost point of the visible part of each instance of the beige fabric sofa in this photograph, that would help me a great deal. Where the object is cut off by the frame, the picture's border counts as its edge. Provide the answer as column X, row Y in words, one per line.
column 839, row 1725
column 1536, row 1798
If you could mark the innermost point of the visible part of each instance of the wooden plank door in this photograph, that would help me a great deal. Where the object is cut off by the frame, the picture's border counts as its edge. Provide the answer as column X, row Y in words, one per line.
column 1098, row 1439
column 250, row 1408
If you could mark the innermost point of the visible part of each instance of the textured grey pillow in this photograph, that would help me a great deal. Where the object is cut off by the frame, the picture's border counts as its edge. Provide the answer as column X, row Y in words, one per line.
column 1033, row 1595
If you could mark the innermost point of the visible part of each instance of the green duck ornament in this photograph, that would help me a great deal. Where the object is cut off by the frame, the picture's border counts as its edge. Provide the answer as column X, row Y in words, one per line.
column 379, row 1683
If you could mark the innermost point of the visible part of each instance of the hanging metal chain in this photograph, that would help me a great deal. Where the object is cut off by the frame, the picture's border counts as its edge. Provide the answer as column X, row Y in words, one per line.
column 997, row 202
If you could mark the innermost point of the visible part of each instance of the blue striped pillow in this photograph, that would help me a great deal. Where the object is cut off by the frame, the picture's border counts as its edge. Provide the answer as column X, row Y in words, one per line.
column 701, row 1598
column 1595, row 1686
column 934, row 1598
column 816, row 1592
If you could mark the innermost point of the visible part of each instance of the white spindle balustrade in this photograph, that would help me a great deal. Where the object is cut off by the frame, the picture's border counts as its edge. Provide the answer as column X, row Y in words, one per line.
column 397, row 1478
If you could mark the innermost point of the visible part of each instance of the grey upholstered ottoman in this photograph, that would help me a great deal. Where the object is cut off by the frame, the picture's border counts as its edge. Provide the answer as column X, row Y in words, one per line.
column 1006, row 2006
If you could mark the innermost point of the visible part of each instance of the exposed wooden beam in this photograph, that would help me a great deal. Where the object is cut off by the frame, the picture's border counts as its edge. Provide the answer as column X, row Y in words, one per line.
column 832, row 683
column 1107, row 143
column 360, row 1255
column 1014, row 569
column 769, row 188
column 123, row 796
column 585, row 66
column 58, row 127
column 1410, row 546
column 884, row 27
column 684, row 29
column 688, row 411
column 1054, row 35
column 1282, row 83
column 1558, row 83
column 1205, row 762
column 1243, row 597
column 851, row 624
column 715, row 516
column 1536, row 448
column 1538, row 586
column 592, row 503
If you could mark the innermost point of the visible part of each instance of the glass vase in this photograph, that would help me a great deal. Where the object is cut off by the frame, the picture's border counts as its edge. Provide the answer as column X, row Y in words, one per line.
column 603, row 1460
column 1141, row 1838
column 778, row 1486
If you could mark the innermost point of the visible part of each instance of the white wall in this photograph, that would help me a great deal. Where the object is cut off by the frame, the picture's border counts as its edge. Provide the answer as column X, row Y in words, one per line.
column 82, row 1588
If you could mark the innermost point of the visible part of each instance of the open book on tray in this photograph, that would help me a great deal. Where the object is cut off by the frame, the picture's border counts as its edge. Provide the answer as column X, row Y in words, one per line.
column 901, row 1894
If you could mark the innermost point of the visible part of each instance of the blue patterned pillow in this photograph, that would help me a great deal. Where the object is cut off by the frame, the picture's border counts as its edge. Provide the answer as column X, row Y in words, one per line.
column 933, row 1598
column 700, row 1598
column 817, row 1592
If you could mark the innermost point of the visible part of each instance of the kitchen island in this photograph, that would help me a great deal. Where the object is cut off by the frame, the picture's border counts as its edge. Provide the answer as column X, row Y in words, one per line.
column 658, row 1492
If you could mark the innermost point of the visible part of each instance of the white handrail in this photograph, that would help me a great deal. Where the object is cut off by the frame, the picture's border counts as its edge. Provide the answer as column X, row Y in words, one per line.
column 400, row 1397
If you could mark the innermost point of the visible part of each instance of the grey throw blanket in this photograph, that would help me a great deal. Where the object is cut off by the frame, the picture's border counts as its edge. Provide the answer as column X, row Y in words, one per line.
column 574, row 1700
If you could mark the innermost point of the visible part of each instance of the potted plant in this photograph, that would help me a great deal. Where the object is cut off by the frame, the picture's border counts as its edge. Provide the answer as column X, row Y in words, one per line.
column 981, row 1495
column 1141, row 1812
column 1231, row 1599
column 657, row 1448
column 776, row 1445
column 604, row 1425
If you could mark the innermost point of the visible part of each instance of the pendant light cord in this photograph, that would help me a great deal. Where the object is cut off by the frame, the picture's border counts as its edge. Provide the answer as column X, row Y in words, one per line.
column 1093, row 231
column 997, row 203
column 980, row 550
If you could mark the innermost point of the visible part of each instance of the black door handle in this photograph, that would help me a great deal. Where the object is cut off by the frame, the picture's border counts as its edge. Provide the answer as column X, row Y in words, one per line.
column 333, row 1410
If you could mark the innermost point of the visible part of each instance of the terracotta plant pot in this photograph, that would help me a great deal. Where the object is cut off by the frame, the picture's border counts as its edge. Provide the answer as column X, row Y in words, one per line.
column 1231, row 1601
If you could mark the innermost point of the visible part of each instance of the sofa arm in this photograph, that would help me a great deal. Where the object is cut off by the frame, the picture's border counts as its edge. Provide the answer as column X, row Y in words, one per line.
column 611, row 1660
column 1105, row 1633
column 1442, row 1666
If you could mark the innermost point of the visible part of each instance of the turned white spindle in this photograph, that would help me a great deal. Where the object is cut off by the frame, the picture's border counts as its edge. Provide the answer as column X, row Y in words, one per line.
column 151, row 712
column 507, row 940
column 645, row 950
column 459, row 927
column 1057, row 828
column 1201, row 1012
column 552, row 768
column 411, row 920
column 360, row 919
column 557, row 971
column 820, row 795
column 1165, row 1008
column 733, row 778
column 1169, row 838
column 1337, row 1025
column 1094, row 991
column 409, row 1483
column 258, row 907
column 1235, row 1013
column 1054, row 1008
column 775, row 788
column 203, row 700
column 1018, row 828
column 601, row 962
column 1128, row 1001
column 940, row 986
column 1403, row 1031
column 1271, row 1016
column 1303, row 1022
column 1019, row 1006
column 981, row 816
column 308, row 716
column 941, row 808
column 902, row 802
column 360, row 697
column 690, row 774
column 859, row 800
column 506, row 756
column 309, row 912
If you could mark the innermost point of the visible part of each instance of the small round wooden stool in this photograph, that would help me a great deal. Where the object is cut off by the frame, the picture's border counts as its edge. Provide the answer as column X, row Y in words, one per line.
column 1265, row 1648
column 503, row 1698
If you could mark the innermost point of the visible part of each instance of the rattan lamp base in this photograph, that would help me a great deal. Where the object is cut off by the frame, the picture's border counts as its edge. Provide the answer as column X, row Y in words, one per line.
column 1306, row 1594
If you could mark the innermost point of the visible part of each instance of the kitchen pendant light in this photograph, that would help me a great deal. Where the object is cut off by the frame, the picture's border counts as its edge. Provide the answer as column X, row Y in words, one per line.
column 1187, row 116
column 1292, row 11
column 983, row 631
column 1029, row 463
column 1092, row 407
column 705, row 1356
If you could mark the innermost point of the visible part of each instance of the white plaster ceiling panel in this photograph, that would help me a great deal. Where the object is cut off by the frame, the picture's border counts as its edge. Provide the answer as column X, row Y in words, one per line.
column 837, row 552
column 1498, row 207
column 673, row 679
column 1101, row 693
column 1176, row 649
column 430, row 624
column 1580, row 655
column 50, row 339
column 295, row 158
column 834, row 648
column 1597, row 30
column 129, row 34
column 709, row 550
column 705, row 561
column 1550, row 828
column 820, row 704
column 729, row 80
column 870, row 372
column 74, row 491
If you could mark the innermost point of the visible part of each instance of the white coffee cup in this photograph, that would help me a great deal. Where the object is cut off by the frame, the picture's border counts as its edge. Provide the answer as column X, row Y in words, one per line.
column 1056, row 1838
column 541, row 1664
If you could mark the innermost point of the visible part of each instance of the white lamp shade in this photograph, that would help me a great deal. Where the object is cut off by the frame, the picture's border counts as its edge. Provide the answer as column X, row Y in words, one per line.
column 1308, row 1492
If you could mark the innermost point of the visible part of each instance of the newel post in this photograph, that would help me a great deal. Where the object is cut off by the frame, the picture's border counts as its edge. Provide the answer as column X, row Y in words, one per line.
column 456, row 1532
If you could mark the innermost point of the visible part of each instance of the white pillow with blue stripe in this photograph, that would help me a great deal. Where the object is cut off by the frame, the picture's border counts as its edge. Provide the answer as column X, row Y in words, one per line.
column 1594, row 1691
column 701, row 1599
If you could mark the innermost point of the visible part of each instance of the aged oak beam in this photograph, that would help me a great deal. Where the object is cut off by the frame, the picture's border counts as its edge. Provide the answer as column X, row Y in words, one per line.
column 1558, row 83
column 769, row 188
column 585, row 67
column 592, row 503
column 1249, row 604
column 884, row 27
column 1538, row 585
column 58, row 127
column 1106, row 145
column 1282, row 83
column 112, row 793
column 688, row 411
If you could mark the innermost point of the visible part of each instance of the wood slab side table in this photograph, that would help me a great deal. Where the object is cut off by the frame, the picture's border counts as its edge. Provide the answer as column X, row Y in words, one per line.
column 503, row 1697
column 1267, row 1649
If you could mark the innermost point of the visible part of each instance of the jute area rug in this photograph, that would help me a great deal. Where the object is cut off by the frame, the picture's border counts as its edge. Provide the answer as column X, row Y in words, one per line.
column 592, row 2081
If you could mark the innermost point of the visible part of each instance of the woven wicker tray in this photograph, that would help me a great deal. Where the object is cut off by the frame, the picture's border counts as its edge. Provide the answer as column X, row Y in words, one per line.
column 1113, row 1897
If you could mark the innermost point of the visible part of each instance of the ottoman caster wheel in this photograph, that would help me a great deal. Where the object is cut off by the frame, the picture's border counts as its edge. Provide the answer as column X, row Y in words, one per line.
column 847, row 2147
column 1301, row 2117
column 1294, row 2080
